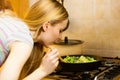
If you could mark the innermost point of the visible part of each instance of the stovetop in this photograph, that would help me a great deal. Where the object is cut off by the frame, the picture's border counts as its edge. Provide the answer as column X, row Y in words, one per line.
column 109, row 70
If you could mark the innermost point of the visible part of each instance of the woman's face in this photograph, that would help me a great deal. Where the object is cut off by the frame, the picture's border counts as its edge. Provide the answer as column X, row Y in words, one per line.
column 52, row 33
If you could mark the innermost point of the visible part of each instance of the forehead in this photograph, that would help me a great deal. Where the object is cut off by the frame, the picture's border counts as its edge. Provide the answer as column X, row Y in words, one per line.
column 63, row 23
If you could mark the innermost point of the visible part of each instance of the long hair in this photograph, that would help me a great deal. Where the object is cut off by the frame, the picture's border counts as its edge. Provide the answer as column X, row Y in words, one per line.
column 40, row 12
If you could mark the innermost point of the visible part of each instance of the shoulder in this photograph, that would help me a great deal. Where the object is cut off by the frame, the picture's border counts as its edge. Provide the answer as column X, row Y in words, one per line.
column 16, row 30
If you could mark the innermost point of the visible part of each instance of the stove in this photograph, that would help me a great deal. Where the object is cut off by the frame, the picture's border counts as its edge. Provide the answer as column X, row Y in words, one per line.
column 108, row 70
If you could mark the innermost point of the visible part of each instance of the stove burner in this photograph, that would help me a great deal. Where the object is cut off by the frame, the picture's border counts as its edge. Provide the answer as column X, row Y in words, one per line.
column 107, row 71
column 71, row 76
column 109, row 74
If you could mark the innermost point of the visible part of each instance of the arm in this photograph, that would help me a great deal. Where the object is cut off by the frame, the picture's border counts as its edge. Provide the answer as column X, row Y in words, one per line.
column 19, row 53
column 48, row 65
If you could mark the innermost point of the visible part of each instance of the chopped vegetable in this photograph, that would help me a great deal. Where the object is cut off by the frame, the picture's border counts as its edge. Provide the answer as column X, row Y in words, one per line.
column 79, row 59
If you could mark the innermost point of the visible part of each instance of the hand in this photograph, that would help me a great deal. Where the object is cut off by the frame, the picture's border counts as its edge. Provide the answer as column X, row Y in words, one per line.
column 50, row 61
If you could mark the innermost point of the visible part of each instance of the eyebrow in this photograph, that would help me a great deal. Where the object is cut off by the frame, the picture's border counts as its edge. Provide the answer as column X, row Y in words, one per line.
column 67, row 26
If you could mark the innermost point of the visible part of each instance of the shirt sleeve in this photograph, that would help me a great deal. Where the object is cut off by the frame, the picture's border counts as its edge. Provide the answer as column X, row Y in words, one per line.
column 22, row 37
column 16, row 30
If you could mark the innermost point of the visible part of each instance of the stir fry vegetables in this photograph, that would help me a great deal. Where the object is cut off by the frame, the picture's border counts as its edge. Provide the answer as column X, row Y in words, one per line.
column 78, row 59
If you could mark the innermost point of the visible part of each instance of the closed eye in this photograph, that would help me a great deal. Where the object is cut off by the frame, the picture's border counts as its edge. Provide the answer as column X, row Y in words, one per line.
column 60, row 31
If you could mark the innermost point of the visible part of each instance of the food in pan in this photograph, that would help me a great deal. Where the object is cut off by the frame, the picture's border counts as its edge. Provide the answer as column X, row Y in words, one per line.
column 79, row 59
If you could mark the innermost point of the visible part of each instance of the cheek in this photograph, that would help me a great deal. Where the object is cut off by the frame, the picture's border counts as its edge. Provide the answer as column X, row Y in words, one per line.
column 56, row 33
column 51, row 36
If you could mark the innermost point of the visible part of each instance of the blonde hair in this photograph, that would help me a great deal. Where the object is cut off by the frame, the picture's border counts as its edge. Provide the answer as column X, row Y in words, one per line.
column 42, row 11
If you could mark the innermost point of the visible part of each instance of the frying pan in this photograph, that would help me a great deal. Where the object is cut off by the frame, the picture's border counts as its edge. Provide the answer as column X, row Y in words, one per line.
column 63, row 66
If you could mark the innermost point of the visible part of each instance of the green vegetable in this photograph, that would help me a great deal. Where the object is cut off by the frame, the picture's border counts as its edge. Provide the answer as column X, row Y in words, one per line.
column 79, row 59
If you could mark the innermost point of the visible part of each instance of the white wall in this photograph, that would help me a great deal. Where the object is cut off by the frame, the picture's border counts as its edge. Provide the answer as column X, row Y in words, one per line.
column 97, row 22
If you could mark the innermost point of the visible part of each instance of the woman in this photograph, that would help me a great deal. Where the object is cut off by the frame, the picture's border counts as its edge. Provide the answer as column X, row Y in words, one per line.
column 22, row 41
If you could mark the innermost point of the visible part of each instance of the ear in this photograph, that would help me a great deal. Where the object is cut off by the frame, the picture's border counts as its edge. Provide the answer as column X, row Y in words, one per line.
column 45, row 26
